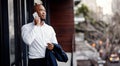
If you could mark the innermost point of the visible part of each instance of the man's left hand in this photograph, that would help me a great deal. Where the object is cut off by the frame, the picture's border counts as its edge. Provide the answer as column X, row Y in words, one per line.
column 50, row 46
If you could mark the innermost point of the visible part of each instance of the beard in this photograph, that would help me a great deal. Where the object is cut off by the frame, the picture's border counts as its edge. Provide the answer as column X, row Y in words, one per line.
column 43, row 19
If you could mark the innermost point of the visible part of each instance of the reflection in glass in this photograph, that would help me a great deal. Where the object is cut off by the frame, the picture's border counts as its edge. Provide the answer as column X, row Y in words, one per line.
column 11, row 32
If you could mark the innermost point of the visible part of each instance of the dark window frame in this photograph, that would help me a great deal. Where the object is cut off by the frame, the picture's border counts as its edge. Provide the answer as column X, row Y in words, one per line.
column 5, row 59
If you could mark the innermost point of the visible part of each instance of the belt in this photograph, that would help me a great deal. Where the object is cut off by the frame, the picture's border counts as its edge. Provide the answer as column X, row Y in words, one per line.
column 37, row 59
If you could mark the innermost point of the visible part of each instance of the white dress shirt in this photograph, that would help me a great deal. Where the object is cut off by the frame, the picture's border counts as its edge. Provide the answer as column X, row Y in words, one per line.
column 37, row 37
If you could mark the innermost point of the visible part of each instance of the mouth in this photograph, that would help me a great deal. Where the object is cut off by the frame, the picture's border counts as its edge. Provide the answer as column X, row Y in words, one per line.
column 43, row 17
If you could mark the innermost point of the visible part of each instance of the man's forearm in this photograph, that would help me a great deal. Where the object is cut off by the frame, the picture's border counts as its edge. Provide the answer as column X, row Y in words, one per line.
column 29, row 36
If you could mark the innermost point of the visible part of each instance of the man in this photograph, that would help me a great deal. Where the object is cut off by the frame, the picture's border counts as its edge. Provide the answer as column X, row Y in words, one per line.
column 38, row 36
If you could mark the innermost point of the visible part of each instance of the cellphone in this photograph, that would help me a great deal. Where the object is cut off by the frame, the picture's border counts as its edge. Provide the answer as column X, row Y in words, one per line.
column 35, row 14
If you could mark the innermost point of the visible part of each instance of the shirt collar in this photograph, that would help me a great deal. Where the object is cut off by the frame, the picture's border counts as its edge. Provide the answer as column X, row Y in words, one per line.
column 42, row 25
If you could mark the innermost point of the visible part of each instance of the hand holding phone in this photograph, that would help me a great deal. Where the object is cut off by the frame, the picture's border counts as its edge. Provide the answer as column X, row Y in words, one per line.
column 35, row 15
column 36, row 18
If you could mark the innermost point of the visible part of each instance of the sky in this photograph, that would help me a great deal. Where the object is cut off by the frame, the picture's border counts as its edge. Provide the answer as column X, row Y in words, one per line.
column 106, row 5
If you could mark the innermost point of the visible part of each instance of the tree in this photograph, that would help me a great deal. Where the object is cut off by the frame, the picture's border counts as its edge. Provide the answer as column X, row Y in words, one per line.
column 99, row 26
column 83, row 10
column 114, row 27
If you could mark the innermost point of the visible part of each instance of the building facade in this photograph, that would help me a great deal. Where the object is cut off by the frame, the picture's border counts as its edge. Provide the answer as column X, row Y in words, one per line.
column 15, row 13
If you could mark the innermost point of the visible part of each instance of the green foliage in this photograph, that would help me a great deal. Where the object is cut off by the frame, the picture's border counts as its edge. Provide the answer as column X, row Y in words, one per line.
column 83, row 9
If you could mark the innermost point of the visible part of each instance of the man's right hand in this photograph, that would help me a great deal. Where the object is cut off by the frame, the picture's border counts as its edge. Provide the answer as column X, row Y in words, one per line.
column 37, row 21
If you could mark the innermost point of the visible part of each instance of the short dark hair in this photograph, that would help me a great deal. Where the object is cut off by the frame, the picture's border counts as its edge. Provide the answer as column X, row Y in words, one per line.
column 34, row 10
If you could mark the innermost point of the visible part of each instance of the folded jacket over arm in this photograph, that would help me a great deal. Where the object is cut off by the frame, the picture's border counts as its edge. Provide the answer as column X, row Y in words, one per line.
column 57, row 53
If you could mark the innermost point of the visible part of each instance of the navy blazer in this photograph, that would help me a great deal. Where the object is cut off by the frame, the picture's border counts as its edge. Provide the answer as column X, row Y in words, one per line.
column 56, row 53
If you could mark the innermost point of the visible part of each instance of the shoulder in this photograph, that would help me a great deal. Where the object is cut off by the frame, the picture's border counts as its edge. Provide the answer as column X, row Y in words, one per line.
column 27, row 25
column 49, row 26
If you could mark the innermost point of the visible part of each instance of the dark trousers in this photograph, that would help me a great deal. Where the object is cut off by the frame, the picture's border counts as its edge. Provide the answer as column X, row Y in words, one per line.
column 37, row 62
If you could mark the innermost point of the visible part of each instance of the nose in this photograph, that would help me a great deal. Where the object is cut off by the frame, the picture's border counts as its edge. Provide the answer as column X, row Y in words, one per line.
column 44, row 12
